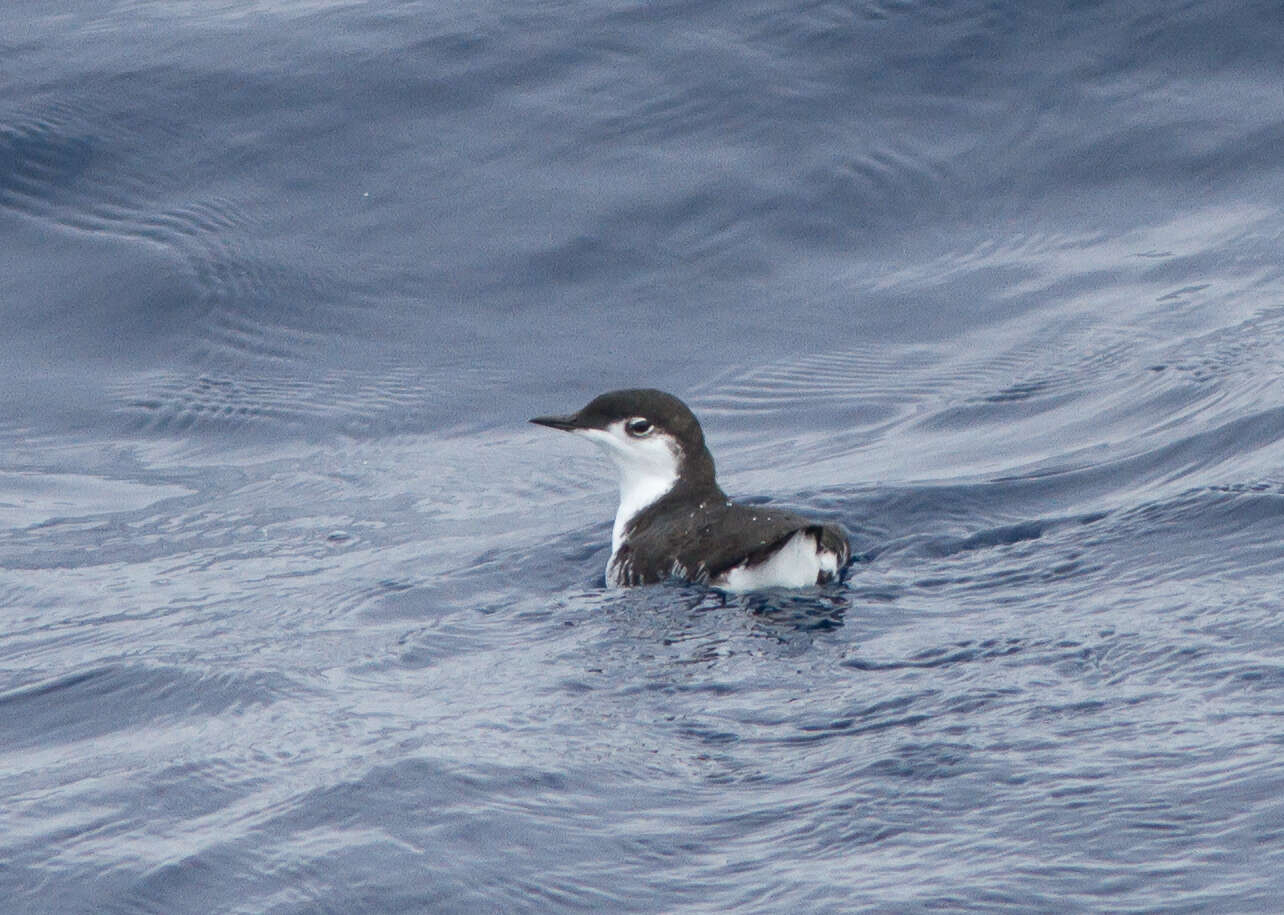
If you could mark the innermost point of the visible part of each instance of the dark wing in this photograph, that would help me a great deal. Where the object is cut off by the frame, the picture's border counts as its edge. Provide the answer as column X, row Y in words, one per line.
column 702, row 544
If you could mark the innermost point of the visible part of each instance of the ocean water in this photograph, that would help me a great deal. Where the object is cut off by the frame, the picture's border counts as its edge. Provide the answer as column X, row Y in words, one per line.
column 300, row 615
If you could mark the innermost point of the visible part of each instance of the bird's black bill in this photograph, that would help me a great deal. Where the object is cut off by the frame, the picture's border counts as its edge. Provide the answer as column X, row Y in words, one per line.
column 565, row 423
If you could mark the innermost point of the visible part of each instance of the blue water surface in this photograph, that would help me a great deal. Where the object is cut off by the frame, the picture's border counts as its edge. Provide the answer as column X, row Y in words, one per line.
column 299, row 615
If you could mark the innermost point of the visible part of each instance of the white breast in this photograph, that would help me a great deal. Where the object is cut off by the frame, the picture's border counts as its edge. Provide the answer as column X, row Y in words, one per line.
column 634, row 497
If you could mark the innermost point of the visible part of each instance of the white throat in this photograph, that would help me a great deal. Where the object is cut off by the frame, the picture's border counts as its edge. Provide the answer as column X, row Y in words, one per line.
column 636, row 493
column 648, row 469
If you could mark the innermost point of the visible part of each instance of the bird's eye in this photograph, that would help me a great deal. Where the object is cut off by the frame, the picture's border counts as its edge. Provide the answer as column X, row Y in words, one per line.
column 638, row 427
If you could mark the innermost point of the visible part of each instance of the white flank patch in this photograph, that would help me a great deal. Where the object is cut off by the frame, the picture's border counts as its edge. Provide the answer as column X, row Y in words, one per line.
column 794, row 565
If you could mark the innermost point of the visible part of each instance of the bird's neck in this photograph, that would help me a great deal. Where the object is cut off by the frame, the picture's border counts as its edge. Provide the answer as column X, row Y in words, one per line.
column 640, row 491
